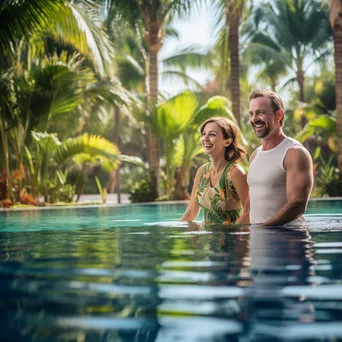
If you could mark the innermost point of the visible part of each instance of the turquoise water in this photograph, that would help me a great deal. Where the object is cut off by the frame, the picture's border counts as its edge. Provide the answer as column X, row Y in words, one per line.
column 134, row 273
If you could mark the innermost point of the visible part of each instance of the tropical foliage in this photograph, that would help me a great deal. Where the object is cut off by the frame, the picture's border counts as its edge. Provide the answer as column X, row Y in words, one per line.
column 80, row 95
column 50, row 161
column 292, row 34
column 335, row 15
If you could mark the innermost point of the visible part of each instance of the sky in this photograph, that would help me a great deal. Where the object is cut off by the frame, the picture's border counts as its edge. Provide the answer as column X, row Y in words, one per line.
column 196, row 30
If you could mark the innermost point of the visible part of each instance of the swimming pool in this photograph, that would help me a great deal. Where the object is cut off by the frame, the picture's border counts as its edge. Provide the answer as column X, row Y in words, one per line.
column 134, row 273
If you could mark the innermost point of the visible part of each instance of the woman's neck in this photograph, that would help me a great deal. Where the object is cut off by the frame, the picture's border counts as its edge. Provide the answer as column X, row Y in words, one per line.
column 217, row 165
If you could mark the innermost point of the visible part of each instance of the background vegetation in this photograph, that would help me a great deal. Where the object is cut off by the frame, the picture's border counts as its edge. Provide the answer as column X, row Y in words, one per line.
column 81, row 110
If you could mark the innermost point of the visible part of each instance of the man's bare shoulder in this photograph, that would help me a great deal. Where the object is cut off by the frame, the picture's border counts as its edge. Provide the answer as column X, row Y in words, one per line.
column 299, row 151
column 297, row 154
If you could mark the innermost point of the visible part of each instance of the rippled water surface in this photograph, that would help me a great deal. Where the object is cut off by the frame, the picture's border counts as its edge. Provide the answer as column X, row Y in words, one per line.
column 134, row 273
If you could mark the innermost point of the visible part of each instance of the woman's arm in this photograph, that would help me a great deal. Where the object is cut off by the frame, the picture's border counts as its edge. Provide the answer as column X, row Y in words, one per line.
column 239, row 180
column 193, row 209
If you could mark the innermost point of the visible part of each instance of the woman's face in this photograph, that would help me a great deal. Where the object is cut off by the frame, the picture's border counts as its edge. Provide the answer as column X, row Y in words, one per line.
column 213, row 140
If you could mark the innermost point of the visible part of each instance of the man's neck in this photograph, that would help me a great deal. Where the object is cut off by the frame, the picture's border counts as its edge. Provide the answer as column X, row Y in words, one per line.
column 272, row 140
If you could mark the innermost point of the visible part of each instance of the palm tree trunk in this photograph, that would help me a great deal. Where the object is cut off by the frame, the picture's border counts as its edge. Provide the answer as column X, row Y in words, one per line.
column 114, row 178
column 300, row 79
column 337, row 33
column 335, row 19
column 154, row 140
column 182, row 178
column 233, row 21
column 5, row 186
column 117, row 143
column 118, row 185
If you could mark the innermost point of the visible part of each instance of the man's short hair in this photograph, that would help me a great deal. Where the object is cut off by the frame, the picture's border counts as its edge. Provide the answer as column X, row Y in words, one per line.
column 276, row 101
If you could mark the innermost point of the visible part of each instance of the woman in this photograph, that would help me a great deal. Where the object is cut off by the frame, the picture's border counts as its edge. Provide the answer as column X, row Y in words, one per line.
column 220, row 187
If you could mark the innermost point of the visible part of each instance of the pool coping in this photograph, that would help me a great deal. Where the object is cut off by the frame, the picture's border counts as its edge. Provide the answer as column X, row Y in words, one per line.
column 92, row 206
column 109, row 205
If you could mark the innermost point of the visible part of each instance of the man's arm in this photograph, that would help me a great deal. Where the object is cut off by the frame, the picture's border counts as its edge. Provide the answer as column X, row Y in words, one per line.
column 299, row 181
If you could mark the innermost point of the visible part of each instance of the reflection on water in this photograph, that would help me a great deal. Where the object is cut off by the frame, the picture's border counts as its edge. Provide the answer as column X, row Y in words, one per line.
column 170, row 282
column 281, row 258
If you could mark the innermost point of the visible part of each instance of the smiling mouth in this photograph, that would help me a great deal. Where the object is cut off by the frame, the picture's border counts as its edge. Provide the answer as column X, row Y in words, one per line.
column 258, row 125
column 207, row 147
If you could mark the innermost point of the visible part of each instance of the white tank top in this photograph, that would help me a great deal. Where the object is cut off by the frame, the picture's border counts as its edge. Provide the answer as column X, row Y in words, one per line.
column 267, row 182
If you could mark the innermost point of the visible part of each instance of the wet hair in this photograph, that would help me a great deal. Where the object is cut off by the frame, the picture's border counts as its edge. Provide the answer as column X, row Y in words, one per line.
column 276, row 101
column 235, row 151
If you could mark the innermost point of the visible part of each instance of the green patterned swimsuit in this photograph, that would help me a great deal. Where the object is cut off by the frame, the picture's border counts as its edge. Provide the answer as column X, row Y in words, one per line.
column 221, row 203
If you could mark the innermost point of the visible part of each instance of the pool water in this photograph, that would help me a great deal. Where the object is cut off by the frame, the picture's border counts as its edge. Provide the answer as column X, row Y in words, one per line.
column 134, row 273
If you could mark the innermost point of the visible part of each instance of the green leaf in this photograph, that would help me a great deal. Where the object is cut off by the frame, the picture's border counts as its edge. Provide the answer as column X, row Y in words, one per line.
column 89, row 144
column 325, row 122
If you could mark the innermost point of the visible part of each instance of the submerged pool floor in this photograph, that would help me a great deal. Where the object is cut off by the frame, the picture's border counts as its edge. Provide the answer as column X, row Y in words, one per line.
column 135, row 273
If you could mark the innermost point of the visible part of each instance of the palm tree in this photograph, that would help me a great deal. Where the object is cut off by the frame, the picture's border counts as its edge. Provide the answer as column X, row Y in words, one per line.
column 272, row 69
column 54, row 87
column 335, row 18
column 173, row 117
column 7, row 120
column 132, row 69
column 49, row 155
column 22, row 19
column 291, row 32
column 230, row 12
column 154, row 14
column 68, row 22
column 233, row 13
column 22, row 25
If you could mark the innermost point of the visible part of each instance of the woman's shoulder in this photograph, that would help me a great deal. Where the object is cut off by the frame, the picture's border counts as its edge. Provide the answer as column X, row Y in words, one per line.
column 236, row 170
column 203, row 168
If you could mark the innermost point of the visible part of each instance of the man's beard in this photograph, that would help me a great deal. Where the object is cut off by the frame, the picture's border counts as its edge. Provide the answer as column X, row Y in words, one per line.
column 264, row 133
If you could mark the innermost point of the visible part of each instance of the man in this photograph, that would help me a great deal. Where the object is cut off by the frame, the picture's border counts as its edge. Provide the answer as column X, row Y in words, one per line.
column 280, row 175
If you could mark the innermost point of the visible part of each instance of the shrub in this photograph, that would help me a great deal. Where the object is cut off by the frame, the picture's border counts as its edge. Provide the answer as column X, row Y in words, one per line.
column 142, row 191
column 334, row 188
column 61, row 193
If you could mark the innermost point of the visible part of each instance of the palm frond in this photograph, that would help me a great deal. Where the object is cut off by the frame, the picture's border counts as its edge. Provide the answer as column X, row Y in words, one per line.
column 171, row 32
column 189, row 57
column 323, row 123
column 20, row 19
column 47, row 142
column 80, row 27
column 82, row 159
column 174, row 115
column 89, row 144
column 170, row 74
column 110, row 92
column 133, row 160
column 288, row 82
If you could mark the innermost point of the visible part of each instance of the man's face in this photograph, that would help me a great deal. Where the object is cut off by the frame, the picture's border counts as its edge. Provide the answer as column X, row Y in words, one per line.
column 262, row 117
